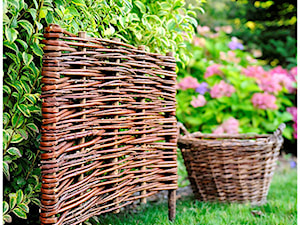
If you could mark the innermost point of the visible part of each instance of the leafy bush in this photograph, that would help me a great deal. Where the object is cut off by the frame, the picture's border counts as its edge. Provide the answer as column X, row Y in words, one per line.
column 158, row 25
column 226, row 90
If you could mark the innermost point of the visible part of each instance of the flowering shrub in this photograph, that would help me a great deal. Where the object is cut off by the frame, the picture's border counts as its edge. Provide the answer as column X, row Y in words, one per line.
column 224, row 89
column 221, row 89
column 264, row 101
column 198, row 102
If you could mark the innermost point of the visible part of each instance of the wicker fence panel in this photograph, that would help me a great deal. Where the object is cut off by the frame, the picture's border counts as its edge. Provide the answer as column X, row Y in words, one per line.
column 109, row 134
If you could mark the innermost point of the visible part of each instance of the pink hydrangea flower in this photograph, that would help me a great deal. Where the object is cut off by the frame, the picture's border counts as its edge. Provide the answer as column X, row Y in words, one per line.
column 199, row 101
column 283, row 77
column 295, row 130
column 279, row 69
column 293, row 112
column 199, row 41
column 229, row 57
column 293, row 73
column 230, row 126
column 222, row 89
column 219, row 130
column 269, row 83
column 227, row 29
column 254, row 71
column 285, row 81
column 213, row 70
column 188, row 82
column 203, row 30
column 264, row 101
column 215, row 35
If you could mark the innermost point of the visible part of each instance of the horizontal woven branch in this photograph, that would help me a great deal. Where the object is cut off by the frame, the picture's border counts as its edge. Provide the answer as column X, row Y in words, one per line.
column 109, row 133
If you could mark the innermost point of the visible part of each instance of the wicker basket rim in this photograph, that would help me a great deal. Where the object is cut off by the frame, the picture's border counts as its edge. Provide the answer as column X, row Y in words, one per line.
column 275, row 137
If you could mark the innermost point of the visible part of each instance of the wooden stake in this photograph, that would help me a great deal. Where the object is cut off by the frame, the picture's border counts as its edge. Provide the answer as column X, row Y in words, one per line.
column 143, row 192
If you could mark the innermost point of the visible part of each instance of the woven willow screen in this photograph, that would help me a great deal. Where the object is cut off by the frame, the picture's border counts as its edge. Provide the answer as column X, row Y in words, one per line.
column 109, row 131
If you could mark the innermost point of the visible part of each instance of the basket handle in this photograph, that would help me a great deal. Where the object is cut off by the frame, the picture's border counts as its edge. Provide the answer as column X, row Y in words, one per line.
column 182, row 127
column 277, row 135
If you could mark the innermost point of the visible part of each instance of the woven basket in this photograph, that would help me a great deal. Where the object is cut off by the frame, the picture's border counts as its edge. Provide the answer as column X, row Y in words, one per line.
column 230, row 168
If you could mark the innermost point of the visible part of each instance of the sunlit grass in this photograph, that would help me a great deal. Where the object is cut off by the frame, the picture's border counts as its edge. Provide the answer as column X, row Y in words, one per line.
column 280, row 209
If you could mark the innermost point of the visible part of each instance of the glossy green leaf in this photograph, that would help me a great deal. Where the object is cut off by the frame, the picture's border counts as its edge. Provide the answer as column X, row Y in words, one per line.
column 141, row 6
column 36, row 201
column 23, row 133
column 165, row 5
column 14, row 151
column 43, row 12
column 33, row 127
column 18, row 87
column 16, row 95
column 30, row 98
column 27, row 26
column 178, row 4
column 16, row 138
column 39, row 25
column 15, row 4
column 20, row 213
column 5, row 207
column 25, row 86
column 171, row 24
column 20, row 196
column 17, row 120
column 12, row 200
column 27, row 58
column 24, row 207
column 11, row 46
column 78, row 2
column 37, row 49
column 7, row 218
column 49, row 17
column 6, row 170
column 13, row 58
column 32, row 11
column 24, row 109
column 23, row 43
column 6, row 134
column 6, row 118
column 6, row 89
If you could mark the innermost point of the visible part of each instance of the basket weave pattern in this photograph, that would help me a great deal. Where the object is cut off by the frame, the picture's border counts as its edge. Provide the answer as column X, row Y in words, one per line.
column 109, row 132
column 231, row 168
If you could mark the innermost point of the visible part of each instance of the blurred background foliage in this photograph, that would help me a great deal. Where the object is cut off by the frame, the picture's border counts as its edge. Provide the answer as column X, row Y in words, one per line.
column 269, row 26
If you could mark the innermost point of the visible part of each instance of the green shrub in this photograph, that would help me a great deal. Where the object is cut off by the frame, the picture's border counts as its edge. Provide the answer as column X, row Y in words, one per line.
column 158, row 25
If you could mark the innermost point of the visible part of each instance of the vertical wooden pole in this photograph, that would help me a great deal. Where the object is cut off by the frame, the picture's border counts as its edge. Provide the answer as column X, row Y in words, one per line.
column 143, row 192
column 115, row 160
column 82, row 34
column 172, row 193
column 172, row 204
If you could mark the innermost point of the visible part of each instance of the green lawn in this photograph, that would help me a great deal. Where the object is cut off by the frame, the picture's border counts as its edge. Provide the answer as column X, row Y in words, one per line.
column 280, row 209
